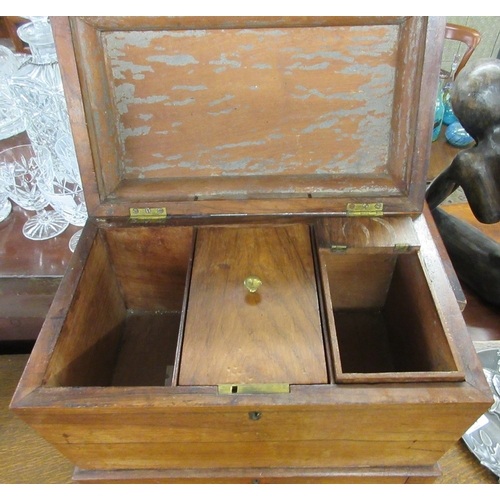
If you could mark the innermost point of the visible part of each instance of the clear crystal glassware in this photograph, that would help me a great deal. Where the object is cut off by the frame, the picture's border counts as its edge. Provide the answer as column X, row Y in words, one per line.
column 5, row 204
column 63, row 189
column 38, row 90
column 19, row 174
column 65, row 151
column 11, row 119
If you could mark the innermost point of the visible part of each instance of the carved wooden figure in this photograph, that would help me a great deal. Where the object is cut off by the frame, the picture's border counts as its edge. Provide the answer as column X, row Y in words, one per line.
column 476, row 103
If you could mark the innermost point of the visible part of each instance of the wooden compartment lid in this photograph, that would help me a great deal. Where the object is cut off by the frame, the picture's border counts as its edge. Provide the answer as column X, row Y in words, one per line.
column 210, row 115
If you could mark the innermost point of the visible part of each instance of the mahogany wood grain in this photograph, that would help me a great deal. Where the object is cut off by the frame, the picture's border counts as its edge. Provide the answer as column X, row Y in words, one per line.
column 436, row 265
column 147, row 348
column 356, row 281
column 366, row 234
column 322, row 453
column 150, row 264
column 393, row 436
column 395, row 334
column 416, row 329
column 439, row 249
column 199, row 415
column 88, row 342
column 243, row 206
column 234, row 336
column 345, row 475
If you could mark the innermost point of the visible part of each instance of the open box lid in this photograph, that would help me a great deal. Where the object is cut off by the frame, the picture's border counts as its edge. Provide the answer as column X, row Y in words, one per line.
column 210, row 115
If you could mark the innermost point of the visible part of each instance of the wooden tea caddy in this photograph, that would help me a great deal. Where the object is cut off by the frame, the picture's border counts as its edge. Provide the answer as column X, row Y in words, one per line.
column 257, row 295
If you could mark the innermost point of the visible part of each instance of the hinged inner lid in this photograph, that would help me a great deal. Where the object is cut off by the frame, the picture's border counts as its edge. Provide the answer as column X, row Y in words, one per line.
column 236, row 334
column 241, row 115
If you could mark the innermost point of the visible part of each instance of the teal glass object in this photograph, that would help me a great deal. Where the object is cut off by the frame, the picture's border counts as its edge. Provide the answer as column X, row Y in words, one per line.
column 457, row 136
column 438, row 115
column 448, row 116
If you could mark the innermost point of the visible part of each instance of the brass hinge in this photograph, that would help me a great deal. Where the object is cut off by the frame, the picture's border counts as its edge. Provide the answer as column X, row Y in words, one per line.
column 401, row 247
column 148, row 214
column 365, row 209
column 338, row 248
column 253, row 388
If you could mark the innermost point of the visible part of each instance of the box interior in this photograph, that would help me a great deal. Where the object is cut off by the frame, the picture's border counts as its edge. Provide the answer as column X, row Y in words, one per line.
column 123, row 323
column 127, row 315
column 384, row 324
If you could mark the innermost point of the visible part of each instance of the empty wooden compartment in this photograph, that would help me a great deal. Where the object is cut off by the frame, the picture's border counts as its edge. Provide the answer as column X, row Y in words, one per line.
column 383, row 320
column 123, row 322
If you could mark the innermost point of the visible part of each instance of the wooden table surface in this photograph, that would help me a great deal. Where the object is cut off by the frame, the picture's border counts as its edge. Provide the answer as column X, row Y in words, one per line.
column 27, row 458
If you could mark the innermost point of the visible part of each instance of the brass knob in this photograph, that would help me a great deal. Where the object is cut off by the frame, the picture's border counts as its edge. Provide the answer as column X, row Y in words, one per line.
column 252, row 283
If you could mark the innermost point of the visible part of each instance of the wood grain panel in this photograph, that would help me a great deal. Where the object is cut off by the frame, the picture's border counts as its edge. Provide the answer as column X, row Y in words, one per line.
column 233, row 336
column 365, row 233
column 274, row 475
column 184, row 425
column 393, row 435
column 219, row 102
column 268, row 454
column 355, row 281
column 151, row 264
column 148, row 346
column 416, row 330
column 88, row 342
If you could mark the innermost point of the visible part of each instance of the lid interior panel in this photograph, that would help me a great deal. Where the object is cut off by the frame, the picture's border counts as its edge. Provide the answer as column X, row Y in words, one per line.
column 291, row 109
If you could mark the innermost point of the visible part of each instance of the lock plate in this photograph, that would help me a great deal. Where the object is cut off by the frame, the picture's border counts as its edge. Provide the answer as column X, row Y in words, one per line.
column 253, row 388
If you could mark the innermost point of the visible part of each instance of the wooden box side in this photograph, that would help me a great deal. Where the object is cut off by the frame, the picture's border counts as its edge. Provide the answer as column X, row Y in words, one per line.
column 325, row 115
column 327, row 435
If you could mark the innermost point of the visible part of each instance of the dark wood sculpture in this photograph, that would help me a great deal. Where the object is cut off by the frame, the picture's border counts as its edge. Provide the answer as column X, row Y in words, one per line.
column 476, row 103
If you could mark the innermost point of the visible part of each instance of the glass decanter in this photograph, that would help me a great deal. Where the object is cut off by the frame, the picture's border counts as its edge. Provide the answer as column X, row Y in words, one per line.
column 38, row 89
column 11, row 119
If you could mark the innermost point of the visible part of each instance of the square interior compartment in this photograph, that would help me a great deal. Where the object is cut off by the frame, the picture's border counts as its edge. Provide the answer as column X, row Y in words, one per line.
column 383, row 321
column 122, row 326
